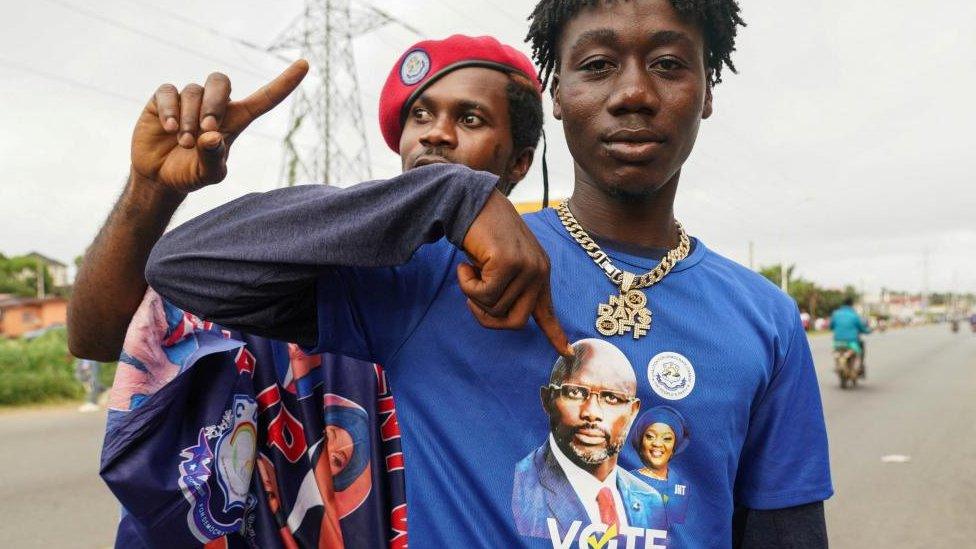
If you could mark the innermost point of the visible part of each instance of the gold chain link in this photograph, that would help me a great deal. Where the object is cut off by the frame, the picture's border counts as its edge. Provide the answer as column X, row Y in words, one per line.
column 601, row 259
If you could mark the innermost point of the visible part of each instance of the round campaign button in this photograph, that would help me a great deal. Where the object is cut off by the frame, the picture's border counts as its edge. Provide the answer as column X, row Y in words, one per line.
column 671, row 375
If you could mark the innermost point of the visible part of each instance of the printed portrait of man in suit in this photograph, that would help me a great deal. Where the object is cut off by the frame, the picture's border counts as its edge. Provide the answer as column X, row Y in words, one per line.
column 573, row 481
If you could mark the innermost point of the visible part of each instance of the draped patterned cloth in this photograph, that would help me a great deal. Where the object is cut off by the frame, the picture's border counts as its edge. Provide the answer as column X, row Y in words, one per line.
column 221, row 439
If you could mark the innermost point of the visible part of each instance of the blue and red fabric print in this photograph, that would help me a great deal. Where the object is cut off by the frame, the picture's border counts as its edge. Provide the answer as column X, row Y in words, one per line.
column 222, row 439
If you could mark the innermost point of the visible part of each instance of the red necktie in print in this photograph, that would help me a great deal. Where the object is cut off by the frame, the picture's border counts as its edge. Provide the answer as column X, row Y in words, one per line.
column 608, row 509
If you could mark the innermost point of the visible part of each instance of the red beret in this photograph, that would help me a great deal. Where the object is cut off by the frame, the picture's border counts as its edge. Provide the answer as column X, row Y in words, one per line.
column 424, row 62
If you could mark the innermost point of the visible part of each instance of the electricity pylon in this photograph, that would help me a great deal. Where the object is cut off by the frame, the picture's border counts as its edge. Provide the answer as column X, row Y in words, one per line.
column 326, row 139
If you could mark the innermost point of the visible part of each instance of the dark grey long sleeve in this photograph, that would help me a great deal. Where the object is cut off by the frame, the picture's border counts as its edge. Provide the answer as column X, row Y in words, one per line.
column 252, row 264
column 801, row 527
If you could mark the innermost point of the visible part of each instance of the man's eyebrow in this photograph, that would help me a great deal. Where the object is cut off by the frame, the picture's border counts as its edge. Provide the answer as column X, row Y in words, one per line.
column 426, row 100
column 597, row 36
column 667, row 37
column 468, row 105
column 609, row 37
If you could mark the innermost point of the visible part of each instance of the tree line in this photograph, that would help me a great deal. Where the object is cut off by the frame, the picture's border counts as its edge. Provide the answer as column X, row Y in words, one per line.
column 814, row 299
column 18, row 276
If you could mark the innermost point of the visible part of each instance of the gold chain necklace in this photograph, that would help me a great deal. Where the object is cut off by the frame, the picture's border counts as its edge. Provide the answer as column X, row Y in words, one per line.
column 627, row 312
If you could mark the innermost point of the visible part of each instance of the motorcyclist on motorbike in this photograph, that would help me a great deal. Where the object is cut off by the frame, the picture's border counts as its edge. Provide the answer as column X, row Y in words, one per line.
column 848, row 327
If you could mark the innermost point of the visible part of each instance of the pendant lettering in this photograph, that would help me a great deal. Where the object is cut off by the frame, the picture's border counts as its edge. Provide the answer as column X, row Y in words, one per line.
column 625, row 313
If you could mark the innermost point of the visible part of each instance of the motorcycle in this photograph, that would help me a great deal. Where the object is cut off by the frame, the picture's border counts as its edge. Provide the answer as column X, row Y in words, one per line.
column 847, row 364
column 955, row 326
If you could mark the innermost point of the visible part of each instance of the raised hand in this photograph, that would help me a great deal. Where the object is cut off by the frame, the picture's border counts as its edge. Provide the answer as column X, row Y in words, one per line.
column 181, row 139
column 509, row 278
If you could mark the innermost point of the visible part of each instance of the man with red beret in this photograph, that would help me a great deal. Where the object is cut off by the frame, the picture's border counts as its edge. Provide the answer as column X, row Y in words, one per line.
column 467, row 100
column 470, row 80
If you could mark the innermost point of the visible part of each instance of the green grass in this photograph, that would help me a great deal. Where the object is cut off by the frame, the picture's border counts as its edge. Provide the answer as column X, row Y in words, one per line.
column 41, row 370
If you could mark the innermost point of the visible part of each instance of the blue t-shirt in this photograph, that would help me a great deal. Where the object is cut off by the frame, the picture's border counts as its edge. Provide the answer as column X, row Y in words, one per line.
column 726, row 349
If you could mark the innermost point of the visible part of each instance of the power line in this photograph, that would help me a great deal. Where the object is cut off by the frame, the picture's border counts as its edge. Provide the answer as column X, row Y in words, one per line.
column 512, row 16
column 161, row 40
column 216, row 32
column 393, row 19
column 68, row 81
column 389, row 165
column 450, row 6
column 466, row 16
column 236, row 40
column 108, row 93
column 269, row 50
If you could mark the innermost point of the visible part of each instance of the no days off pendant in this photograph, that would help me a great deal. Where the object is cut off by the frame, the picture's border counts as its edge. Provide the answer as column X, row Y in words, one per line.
column 624, row 313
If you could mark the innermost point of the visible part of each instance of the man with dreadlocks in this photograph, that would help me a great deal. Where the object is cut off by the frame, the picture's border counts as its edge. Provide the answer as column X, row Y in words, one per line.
column 631, row 81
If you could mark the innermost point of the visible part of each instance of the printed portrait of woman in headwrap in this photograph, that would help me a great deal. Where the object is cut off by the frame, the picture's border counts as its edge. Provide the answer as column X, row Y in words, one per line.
column 346, row 453
column 658, row 435
column 341, row 479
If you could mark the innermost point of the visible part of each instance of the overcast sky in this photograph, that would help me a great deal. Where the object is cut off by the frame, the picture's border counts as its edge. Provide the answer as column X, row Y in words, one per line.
column 844, row 145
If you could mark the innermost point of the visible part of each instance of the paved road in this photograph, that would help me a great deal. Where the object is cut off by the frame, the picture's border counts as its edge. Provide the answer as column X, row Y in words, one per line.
column 50, row 493
column 919, row 401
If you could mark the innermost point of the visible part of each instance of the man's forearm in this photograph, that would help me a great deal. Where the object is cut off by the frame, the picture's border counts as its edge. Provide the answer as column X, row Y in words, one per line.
column 252, row 263
column 111, row 282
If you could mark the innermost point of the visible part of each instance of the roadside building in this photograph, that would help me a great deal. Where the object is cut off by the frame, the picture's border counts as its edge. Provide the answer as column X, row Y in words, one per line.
column 57, row 270
column 21, row 316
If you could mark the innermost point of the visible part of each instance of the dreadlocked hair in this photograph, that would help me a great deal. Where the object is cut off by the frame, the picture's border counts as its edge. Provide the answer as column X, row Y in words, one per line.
column 720, row 20
column 524, row 111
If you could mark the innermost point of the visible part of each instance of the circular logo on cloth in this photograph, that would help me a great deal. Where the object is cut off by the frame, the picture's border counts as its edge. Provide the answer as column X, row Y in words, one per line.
column 671, row 376
column 415, row 67
column 234, row 453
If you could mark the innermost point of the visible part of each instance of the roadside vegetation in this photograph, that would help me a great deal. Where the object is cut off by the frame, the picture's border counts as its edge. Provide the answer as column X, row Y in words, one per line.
column 41, row 370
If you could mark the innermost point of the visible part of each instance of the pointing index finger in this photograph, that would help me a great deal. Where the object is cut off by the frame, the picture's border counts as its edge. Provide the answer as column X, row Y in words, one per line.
column 545, row 317
column 243, row 112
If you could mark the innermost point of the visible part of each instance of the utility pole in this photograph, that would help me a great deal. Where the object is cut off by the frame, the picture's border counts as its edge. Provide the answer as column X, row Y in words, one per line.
column 862, row 298
column 925, row 284
column 784, row 284
column 752, row 256
column 40, row 278
column 953, row 296
column 326, row 139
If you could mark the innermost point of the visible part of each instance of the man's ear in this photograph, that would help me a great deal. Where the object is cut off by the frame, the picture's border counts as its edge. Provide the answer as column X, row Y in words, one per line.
column 557, row 108
column 707, row 107
column 520, row 165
